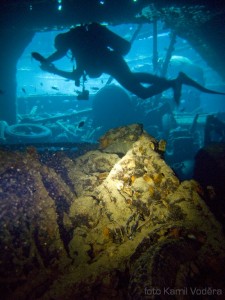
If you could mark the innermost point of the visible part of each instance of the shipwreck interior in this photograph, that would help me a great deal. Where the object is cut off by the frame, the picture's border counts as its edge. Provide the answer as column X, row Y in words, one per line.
column 104, row 195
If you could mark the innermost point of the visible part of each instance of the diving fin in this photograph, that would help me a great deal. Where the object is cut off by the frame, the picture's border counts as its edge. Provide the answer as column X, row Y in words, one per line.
column 184, row 79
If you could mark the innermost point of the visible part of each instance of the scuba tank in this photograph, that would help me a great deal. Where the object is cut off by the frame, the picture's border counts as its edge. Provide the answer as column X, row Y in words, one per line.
column 111, row 39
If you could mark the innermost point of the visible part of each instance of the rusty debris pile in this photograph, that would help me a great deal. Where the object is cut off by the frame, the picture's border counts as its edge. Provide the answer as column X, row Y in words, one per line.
column 114, row 223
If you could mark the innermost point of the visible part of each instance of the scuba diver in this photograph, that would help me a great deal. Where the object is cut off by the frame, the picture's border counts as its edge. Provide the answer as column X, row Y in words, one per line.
column 98, row 50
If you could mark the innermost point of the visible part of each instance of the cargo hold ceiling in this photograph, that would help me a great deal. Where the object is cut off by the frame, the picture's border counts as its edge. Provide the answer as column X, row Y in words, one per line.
column 37, row 14
column 200, row 22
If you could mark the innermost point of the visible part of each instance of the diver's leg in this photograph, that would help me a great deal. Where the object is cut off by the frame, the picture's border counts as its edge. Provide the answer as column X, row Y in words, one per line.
column 161, row 84
column 117, row 67
column 152, row 79
column 132, row 82
column 158, row 84
column 127, row 79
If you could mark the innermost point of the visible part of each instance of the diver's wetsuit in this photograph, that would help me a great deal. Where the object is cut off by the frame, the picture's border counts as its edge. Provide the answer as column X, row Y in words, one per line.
column 117, row 67
column 97, row 50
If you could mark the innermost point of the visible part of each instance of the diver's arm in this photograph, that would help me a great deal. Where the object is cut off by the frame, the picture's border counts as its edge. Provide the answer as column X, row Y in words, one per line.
column 55, row 56
column 75, row 75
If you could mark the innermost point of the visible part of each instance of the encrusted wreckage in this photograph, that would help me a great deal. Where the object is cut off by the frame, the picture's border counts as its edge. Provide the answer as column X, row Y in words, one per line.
column 110, row 224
